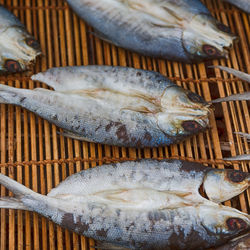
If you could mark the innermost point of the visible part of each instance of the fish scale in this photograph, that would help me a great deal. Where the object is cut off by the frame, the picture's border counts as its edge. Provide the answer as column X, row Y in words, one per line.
column 114, row 105
column 140, row 205
column 175, row 30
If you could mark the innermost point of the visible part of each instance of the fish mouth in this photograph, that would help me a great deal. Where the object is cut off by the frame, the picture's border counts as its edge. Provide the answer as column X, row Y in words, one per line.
column 18, row 50
column 206, row 38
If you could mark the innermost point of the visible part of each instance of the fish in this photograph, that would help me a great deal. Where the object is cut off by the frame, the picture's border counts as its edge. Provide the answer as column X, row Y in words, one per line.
column 114, row 105
column 18, row 48
column 179, row 30
column 237, row 97
column 241, row 4
column 146, row 204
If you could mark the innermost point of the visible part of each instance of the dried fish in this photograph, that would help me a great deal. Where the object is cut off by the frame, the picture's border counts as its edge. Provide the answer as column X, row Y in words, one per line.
column 180, row 30
column 18, row 49
column 114, row 105
column 141, row 205
column 242, row 4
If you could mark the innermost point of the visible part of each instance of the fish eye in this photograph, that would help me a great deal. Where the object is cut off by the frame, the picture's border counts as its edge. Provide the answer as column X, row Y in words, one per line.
column 224, row 28
column 12, row 66
column 195, row 98
column 236, row 176
column 32, row 43
column 210, row 50
column 234, row 224
column 191, row 126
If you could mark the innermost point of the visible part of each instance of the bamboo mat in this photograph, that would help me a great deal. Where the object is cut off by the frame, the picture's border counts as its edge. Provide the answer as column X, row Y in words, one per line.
column 33, row 153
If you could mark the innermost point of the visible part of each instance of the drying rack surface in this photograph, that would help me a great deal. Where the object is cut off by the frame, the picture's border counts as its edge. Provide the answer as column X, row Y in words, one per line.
column 35, row 154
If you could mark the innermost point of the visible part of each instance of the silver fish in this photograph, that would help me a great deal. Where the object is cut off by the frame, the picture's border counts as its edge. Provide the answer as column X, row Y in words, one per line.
column 18, row 49
column 242, row 4
column 142, row 205
column 114, row 105
column 181, row 30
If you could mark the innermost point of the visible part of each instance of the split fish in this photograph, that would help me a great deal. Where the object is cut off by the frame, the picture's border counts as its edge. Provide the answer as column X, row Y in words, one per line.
column 18, row 49
column 114, row 105
column 180, row 30
column 242, row 4
column 146, row 204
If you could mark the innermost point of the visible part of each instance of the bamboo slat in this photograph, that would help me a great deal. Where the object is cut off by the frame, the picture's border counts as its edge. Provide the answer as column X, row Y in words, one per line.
column 35, row 154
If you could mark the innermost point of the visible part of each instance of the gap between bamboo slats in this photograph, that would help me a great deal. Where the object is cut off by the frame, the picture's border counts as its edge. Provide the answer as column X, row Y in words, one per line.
column 66, row 40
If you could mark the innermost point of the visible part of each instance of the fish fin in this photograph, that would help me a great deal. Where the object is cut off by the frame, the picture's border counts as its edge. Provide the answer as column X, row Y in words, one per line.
column 243, row 135
column 141, row 109
column 237, row 73
column 74, row 136
column 108, row 246
column 6, row 94
column 179, row 193
column 12, row 203
column 238, row 97
column 245, row 157
column 113, row 195
column 95, row 93
column 18, row 190
column 101, row 36
column 48, row 77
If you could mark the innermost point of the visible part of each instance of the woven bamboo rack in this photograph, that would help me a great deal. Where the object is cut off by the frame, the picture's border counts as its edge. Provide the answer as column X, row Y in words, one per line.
column 35, row 154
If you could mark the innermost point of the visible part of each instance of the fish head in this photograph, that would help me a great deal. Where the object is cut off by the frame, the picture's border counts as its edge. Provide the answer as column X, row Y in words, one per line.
column 223, row 222
column 18, row 49
column 183, row 113
column 222, row 185
column 206, row 38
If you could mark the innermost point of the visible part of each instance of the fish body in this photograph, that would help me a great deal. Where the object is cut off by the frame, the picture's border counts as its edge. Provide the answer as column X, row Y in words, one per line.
column 181, row 30
column 114, row 105
column 242, row 4
column 140, row 205
column 18, row 49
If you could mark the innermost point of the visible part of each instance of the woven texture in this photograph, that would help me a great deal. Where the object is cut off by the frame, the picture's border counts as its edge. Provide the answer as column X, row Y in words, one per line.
column 34, row 153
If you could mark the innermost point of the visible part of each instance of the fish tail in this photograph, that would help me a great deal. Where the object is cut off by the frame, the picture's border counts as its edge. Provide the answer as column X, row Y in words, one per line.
column 12, row 203
column 18, row 190
column 48, row 77
column 9, row 95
